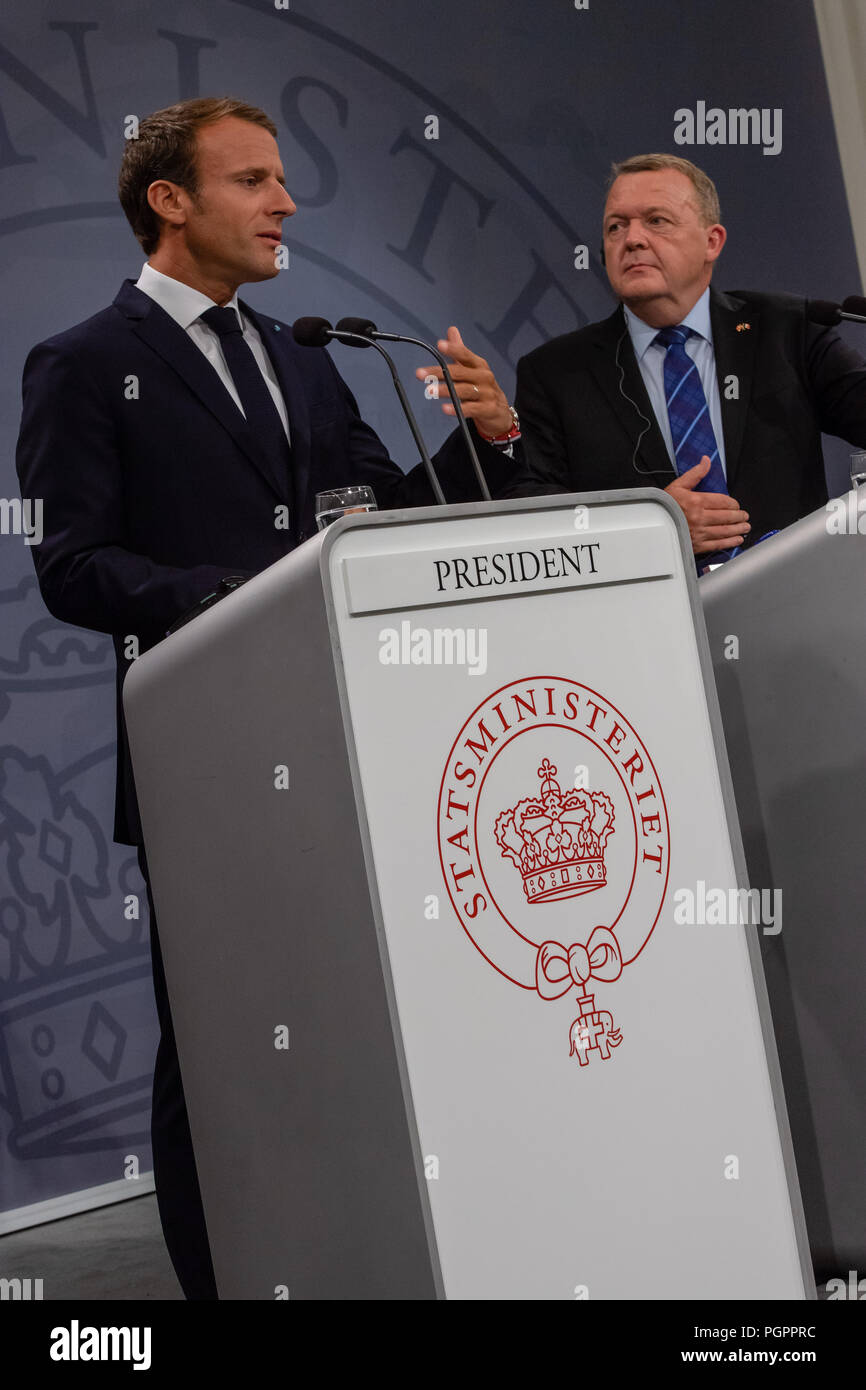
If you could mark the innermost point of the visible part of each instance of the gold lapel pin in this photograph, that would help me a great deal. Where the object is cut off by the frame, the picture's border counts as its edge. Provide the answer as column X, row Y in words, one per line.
column 743, row 327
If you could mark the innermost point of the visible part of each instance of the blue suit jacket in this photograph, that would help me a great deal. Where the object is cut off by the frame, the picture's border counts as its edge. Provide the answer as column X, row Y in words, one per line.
column 153, row 489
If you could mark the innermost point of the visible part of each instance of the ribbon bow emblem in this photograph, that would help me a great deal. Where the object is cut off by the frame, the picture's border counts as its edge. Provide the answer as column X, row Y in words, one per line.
column 558, row 968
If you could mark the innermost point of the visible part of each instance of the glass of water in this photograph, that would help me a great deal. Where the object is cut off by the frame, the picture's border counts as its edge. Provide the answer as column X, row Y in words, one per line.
column 340, row 501
column 858, row 470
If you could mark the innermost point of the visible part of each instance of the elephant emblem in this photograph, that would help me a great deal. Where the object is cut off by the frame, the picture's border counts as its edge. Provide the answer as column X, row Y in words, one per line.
column 593, row 1029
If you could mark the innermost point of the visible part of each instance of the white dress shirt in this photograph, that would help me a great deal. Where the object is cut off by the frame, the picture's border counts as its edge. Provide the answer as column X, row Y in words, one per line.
column 651, row 360
column 186, row 305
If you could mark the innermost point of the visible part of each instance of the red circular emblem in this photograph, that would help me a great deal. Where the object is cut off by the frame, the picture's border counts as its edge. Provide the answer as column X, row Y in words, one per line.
column 554, row 841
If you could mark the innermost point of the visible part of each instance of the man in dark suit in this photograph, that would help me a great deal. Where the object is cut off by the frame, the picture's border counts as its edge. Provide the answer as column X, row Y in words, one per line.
column 720, row 399
column 178, row 440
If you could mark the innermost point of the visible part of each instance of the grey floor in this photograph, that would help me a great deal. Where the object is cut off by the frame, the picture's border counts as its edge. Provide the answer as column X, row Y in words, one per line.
column 112, row 1252
column 115, row 1252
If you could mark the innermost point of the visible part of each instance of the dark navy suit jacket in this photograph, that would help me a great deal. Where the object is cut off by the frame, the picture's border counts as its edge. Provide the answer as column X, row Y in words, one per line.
column 152, row 485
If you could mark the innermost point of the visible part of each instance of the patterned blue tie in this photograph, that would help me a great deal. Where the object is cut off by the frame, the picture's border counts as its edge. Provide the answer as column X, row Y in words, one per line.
column 688, row 412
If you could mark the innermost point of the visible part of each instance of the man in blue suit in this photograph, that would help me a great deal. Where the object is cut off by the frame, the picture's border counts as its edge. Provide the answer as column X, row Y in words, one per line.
column 178, row 440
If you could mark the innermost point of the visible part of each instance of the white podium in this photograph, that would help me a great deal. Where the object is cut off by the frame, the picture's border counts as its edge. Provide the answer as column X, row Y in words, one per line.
column 419, row 803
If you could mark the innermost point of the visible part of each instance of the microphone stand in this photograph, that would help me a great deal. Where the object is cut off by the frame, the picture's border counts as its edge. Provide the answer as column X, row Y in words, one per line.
column 361, row 340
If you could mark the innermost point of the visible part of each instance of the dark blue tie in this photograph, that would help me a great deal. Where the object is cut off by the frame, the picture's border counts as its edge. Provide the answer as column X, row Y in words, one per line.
column 691, row 427
column 688, row 412
column 262, row 415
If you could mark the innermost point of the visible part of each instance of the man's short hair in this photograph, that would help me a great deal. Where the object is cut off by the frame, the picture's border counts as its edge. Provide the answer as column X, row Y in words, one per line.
column 705, row 190
column 165, row 148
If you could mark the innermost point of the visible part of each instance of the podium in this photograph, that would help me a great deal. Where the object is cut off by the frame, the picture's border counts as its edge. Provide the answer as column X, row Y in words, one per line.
column 425, row 806
column 792, row 687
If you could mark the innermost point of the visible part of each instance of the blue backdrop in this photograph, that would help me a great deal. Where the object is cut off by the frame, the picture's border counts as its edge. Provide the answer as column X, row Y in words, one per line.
column 477, row 227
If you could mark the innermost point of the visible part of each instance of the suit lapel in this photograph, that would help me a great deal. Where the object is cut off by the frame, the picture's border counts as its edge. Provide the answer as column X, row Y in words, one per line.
column 734, row 351
column 283, row 352
column 159, row 331
column 618, row 375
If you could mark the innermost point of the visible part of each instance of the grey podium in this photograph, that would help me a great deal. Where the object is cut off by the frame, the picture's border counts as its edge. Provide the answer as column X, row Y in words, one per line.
column 422, row 804
column 787, row 626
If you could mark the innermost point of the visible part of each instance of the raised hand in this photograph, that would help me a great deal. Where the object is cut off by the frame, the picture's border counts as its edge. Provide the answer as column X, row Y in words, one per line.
column 480, row 394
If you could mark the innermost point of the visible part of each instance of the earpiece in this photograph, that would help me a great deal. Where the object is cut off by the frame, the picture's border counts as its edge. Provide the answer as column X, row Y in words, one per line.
column 647, row 424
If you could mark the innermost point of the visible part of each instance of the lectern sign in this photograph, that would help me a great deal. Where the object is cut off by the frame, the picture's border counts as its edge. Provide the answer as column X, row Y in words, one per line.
column 554, row 843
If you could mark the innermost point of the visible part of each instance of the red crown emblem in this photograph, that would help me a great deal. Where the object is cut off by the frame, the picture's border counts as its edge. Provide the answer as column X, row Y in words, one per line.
column 557, row 840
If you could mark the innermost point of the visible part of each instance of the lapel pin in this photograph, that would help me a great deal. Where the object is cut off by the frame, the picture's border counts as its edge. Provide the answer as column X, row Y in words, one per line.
column 743, row 327
column 277, row 327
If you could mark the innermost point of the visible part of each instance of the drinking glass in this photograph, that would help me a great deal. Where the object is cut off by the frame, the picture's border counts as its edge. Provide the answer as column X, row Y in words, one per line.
column 341, row 501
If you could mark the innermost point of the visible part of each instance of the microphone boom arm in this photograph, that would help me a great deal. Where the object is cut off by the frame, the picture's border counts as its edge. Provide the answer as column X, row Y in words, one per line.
column 455, row 401
column 361, row 340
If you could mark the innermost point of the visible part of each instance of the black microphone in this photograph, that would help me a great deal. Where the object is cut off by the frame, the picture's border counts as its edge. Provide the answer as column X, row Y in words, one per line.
column 824, row 311
column 315, row 332
column 855, row 304
column 312, row 332
column 368, row 329
column 363, row 328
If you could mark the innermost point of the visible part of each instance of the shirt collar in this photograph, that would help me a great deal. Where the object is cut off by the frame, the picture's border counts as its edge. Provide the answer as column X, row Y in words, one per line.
column 642, row 334
column 180, row 301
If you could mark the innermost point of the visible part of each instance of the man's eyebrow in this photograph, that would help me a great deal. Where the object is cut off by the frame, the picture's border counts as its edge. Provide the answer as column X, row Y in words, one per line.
column 646, row 212
column 258, row 172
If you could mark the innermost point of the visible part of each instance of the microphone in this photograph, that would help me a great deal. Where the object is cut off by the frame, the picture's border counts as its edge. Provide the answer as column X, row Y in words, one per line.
column 312, row 332
column 363, row 328
column 855, row 304
column 315, row 332
column 825, row 312
column 367, row 329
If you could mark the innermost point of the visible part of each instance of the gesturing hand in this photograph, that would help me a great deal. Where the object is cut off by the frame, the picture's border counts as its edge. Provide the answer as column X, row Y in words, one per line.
column 480, row 394
column 716, row 521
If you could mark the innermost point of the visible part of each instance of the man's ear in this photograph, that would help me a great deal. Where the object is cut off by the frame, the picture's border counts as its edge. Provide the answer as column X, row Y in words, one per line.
column 716, row 238
column 167, row 199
